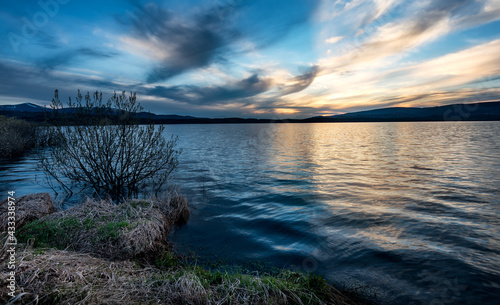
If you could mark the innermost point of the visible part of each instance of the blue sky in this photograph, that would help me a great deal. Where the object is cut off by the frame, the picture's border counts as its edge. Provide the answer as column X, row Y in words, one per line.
column 263, row 58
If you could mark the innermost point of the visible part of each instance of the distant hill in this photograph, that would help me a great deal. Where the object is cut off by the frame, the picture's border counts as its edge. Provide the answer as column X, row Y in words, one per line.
column 489, row 111
column 26, row 107
column 456, row 112
column 165, row 116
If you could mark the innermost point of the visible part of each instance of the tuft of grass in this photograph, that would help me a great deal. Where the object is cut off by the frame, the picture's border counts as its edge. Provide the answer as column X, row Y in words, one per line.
column 129, row 230
column 62, row 233
column 50, row 233
column 166, row 259
column 112, row 229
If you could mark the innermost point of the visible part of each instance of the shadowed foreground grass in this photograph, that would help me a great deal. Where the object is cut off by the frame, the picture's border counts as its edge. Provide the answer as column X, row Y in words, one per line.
column 102, row 253
column 56, row 276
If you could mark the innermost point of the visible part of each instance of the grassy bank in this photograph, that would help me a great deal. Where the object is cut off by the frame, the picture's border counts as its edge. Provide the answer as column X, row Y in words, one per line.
column 16, row 137
column 104, row 253
column 56, row 276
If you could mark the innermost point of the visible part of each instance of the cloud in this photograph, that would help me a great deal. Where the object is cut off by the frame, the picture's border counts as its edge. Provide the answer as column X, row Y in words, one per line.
column 179, row 45
column 213, row 95
column 230, row 98
column 24, row 81
column 441, row 97
column 69, row 57
column 379, row 8
column 46, row 40
column 247, row 92
column 228, row 56
column 334, row 39
column 399, row 37
column 484, row 12
column 356, row 15
column 182, row 44
column 299, row 82
column 417, row 24
column 392, row 39
column 465, row 76
column 461, row 68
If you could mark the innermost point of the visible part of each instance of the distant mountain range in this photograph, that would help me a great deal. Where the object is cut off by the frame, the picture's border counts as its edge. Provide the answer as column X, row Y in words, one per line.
column 489, row 111
column 26, row 107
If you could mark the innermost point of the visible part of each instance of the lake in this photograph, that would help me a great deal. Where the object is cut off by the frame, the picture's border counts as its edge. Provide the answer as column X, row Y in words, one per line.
column 408, row 211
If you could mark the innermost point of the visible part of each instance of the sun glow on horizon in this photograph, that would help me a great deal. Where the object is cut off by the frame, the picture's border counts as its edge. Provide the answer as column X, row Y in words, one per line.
column 259, row 60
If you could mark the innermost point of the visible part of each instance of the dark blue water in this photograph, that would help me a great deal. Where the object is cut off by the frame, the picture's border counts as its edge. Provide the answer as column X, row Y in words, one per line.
column 408, row 211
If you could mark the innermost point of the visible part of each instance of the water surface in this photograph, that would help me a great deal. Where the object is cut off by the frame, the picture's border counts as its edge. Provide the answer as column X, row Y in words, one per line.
column 409, row 210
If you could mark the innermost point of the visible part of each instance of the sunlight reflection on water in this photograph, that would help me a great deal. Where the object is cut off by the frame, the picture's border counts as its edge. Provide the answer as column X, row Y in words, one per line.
column 380, row 202
column 406, row 208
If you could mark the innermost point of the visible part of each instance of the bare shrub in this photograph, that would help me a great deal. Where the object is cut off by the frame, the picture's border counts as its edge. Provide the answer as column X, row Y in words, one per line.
column 103, row 148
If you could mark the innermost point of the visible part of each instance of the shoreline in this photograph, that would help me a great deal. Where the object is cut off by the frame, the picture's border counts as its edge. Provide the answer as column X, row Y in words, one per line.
column 102, row 252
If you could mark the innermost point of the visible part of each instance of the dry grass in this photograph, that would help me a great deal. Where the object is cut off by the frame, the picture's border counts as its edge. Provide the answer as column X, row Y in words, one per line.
column 61, row 277
column 132, row 229
column 28, row 208
column 102, row 267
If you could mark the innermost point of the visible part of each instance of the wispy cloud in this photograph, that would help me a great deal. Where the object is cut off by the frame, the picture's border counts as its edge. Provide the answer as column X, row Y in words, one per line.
column 179, row 45
column 380, row 7
column 334, row 39
column 299, row 82
column 466, row 76
column 69, row 57
column 182, row 44
column 215, row 95
column 392, row 38
column 418, row 24
column 452, row 70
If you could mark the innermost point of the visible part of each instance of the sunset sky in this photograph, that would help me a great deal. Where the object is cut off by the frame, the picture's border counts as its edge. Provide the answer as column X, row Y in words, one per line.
column 264, row 59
